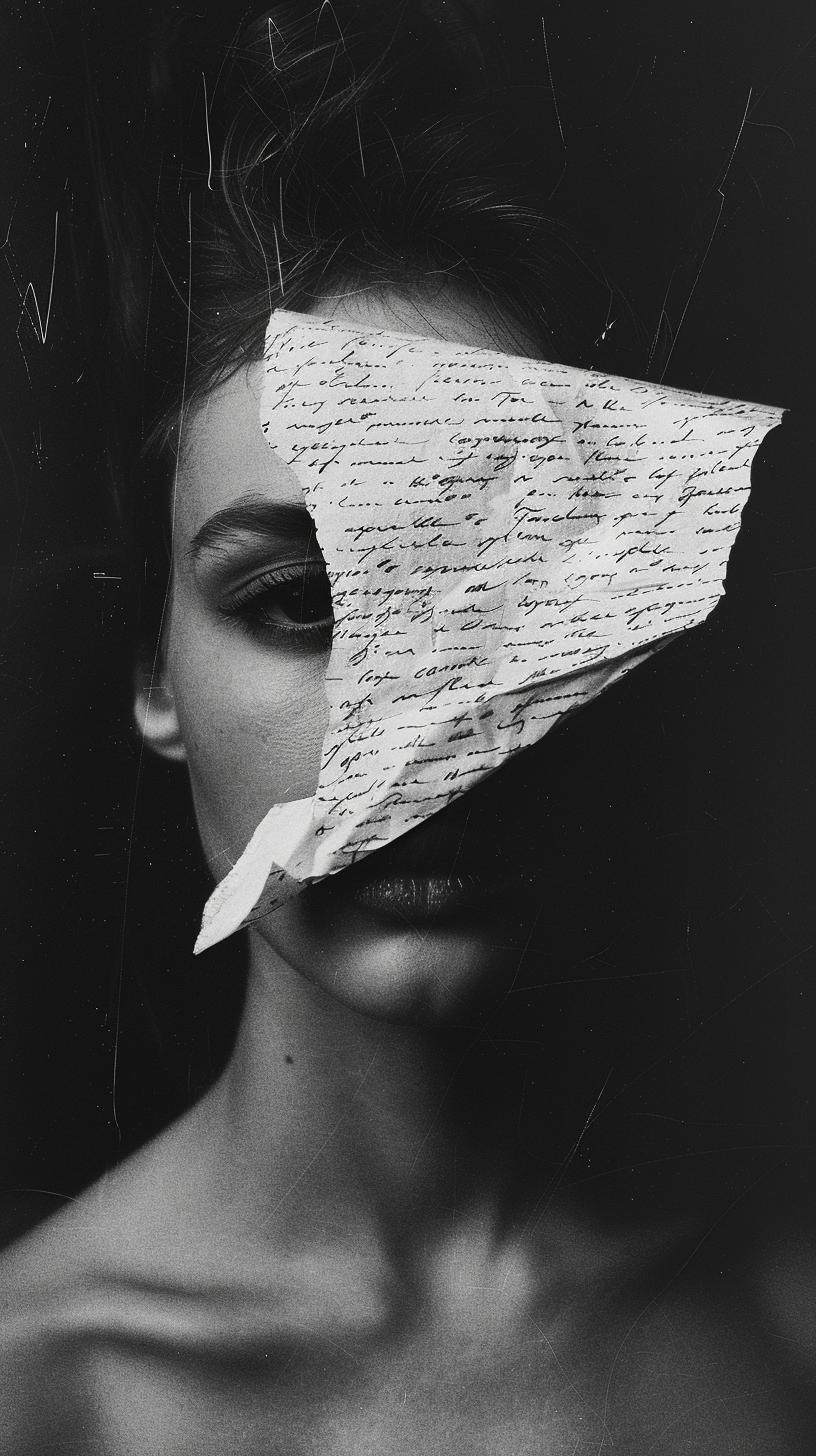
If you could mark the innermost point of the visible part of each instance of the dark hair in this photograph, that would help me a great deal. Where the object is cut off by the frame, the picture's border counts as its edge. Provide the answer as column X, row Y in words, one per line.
column 360, row 143
column 348, row 143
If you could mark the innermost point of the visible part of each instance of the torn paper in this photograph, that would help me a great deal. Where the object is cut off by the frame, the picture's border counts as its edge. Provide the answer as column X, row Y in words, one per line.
column 504, row 538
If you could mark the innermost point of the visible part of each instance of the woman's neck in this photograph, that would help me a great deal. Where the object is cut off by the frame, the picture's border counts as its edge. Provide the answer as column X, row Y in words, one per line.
column 411, row 1149
column 341, row 1112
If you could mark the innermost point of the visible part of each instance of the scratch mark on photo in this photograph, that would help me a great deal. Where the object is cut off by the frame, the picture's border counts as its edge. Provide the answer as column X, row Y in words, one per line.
column 41, row 328
column 209, row 140
column 720, row 186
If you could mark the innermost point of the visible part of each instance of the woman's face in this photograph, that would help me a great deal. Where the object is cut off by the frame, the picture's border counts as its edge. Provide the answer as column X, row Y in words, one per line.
column 440, row 918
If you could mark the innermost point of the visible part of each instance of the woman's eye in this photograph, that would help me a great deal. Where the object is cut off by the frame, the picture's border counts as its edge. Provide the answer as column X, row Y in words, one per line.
column 292, row 604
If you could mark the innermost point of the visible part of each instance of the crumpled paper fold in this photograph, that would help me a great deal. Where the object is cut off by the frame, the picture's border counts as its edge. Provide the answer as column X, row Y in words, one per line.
column 504, row 538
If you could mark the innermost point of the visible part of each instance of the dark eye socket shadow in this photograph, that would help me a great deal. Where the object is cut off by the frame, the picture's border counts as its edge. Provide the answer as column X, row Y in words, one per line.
column 256, row 516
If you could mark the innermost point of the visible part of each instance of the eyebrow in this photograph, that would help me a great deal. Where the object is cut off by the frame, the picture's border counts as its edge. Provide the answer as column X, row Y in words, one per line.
column 256, row 516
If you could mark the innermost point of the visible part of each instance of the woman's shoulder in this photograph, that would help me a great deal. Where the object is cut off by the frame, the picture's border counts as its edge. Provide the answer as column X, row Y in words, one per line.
column 122, row 1220
column 131, row 1265
column 62, row 1285
column 139, row 1282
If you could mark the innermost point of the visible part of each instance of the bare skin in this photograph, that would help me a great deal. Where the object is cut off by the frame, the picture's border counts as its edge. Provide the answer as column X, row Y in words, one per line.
column 332, row 1252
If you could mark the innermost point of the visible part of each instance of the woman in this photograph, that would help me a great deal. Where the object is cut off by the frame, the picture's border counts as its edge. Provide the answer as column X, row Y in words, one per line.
column 422, row 1209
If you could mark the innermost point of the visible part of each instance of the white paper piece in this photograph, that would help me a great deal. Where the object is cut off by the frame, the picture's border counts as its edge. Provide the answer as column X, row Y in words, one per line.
column 504, row 538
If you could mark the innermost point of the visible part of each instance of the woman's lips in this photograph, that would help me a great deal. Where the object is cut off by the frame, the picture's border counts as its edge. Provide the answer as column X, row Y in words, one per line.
column 420, row 897
column 449, row 867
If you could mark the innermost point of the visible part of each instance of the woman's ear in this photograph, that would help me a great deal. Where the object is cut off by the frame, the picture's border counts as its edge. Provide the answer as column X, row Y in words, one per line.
column 155, row 711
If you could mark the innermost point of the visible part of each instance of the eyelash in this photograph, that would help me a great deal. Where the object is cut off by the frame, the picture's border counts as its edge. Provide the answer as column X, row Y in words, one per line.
column 250, row 605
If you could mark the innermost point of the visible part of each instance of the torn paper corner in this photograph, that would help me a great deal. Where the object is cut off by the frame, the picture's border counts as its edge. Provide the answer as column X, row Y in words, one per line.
column 504, row 537
column 251, row 883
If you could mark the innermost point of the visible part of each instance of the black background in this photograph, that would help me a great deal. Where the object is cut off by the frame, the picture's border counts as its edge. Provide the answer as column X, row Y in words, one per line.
column 688, row 142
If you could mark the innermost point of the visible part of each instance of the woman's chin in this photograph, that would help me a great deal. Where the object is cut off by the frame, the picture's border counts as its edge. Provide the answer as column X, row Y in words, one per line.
column 400, row 950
